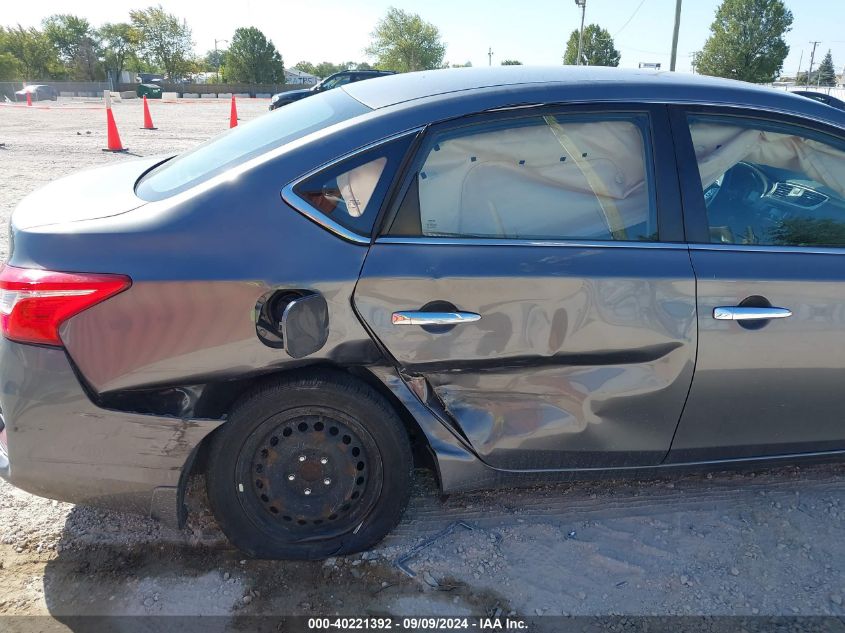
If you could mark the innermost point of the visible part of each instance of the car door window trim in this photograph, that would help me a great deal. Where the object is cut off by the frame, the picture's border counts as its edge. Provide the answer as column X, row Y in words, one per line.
column 301, row 205
column 482, row 241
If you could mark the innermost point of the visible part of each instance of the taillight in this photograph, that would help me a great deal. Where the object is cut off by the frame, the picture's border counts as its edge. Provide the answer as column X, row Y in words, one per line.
column 34, row 303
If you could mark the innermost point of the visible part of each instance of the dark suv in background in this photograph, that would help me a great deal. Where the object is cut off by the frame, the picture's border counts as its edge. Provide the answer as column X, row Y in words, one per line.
column 332, row 81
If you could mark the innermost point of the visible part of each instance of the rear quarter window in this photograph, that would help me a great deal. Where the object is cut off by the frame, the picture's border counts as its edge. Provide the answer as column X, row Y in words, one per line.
column 247, row 141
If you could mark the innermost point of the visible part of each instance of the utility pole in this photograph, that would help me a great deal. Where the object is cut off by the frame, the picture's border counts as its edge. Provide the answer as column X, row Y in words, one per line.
column 675, row 30
column 812, row 57
column 490, row 56
column 583, row 5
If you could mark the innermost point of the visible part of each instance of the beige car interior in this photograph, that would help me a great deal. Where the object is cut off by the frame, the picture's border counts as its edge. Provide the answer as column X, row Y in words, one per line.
column 720, row 146
column 549, row 179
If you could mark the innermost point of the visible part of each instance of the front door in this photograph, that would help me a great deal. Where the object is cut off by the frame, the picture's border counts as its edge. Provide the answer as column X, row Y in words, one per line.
column 766, row 204
column 534, row 279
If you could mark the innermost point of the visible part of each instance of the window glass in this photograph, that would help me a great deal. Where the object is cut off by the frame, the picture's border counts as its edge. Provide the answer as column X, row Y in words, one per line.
column 334, row 82
column 770, row 184
column 553, row 177
column 351, row 192
column 246, row 141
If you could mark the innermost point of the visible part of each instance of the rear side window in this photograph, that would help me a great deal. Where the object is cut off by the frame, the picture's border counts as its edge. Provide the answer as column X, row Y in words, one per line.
column 570, row 177
column 348, row 195
column 769, row 183
column 247, row 141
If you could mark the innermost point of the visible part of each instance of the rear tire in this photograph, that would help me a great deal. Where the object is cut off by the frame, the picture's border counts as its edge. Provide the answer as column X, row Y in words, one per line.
column 308, row 467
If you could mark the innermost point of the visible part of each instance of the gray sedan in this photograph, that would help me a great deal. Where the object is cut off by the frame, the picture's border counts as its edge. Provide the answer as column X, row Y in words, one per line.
column 506, row 275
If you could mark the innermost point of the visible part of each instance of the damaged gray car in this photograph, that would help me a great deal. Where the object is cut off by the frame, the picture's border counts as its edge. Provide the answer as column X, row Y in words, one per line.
column 507, row 275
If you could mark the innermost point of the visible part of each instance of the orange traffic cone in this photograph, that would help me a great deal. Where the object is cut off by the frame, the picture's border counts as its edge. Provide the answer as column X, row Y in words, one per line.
column 233, row 114
column 114, row 144
column 148, row 120
column 29, row 98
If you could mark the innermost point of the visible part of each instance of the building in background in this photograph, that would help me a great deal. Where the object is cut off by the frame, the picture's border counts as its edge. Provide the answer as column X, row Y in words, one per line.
column 298, row 77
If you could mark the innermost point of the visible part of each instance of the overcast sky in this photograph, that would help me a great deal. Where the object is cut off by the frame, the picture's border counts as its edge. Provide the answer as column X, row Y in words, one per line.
column 532, row 31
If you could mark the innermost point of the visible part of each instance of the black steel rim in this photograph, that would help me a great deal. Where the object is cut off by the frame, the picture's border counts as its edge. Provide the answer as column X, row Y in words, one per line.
column 309, row 473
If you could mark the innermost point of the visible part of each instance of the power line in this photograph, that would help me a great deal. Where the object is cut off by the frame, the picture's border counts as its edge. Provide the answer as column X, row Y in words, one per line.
column 642, row 2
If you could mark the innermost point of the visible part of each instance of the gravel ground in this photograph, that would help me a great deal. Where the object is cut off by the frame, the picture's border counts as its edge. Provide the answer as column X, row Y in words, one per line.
column 750, row 543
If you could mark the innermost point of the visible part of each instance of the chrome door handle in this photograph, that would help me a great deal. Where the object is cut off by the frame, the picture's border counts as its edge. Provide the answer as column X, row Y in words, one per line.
column 738, row 313
column 418, row 317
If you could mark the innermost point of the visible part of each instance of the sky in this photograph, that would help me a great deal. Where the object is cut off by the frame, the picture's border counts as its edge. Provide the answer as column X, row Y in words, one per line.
column 532, row 31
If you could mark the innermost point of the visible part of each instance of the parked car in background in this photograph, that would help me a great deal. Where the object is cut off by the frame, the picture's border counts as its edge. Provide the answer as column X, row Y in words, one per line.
column 515, row 274
column 822, row 97
column 332, row 81
column 151, row 91
column 39, row 92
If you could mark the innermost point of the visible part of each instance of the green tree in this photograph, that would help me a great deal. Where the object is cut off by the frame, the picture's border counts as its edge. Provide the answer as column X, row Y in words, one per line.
column 746, row 41
column 214, row 59
column 597, row 50
column 404, row 42
column 77, row 45
column 36, row 58
column 66, row 32
column 10, row 67
column 119, row 42
column 511, row 62
column 827, row 72
column 324, row 69
column 165, row 41
column 252, row 58
column 306, row 67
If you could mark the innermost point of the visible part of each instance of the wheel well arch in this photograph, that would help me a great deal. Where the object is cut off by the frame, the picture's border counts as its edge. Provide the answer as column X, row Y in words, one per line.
column 221, row 397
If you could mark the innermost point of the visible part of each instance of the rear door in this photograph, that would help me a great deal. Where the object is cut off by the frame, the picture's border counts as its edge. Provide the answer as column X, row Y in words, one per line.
column 533, row 286
column 765, row 204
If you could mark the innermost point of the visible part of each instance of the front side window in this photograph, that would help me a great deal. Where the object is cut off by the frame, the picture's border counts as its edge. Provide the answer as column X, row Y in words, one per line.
column 542, row 177
column 769, row 183
column 334, row 82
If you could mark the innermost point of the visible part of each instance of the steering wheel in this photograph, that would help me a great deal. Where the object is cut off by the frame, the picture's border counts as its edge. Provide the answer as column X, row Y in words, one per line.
column 712, row 191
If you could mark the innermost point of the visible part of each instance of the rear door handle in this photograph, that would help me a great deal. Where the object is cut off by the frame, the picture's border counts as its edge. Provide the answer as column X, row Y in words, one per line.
column 418, row 317
column 738, row 313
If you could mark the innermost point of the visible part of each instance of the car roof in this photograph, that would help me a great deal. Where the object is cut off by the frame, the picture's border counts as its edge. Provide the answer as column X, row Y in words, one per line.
column 612, row 84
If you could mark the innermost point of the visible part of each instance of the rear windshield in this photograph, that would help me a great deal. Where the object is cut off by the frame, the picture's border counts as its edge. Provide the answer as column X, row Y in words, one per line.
column 246, row 141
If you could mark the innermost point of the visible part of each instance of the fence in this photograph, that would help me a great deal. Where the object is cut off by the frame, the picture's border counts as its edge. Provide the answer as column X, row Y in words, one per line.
column 202, row 89
column 65, row 88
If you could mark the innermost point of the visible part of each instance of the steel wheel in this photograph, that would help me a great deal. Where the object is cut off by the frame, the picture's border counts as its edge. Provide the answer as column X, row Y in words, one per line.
column 314, row 473
column 310, row 466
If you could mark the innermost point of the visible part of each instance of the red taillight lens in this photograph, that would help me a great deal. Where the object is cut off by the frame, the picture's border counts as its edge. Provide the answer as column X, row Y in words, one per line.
column 34, row 303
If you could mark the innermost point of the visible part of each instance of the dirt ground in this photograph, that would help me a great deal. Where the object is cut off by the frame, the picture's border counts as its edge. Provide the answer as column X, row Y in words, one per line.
column 751, row 543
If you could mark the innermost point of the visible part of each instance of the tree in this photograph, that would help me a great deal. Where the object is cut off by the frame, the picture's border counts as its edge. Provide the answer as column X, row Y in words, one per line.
column 324, row 69
column 404, row 42
column 827, row 73
column 165, row 41
column 76, row 43
column 252, row 58
column 597, row 50
column 511, row 62
column 746, row 41
column 66, row 32
column 32, row 50
column 214, row 59
column 10, row 67
column 119, row 42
